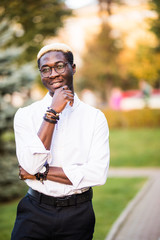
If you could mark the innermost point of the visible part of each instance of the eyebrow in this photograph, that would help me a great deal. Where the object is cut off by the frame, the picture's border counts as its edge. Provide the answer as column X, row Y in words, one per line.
column 45, row 65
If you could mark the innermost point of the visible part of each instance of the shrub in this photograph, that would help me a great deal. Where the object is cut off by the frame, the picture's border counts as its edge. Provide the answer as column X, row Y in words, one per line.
column 134, row 118
column 10, row 185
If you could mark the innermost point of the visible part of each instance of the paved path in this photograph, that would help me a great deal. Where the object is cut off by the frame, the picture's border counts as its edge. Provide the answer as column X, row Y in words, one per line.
column 141, row 218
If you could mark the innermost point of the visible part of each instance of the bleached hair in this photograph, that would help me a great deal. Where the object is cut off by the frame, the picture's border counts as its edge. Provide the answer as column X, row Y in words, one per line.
column 53, row 47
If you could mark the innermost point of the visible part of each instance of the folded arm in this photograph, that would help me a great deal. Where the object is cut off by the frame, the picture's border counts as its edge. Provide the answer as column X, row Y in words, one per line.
column 55, row 174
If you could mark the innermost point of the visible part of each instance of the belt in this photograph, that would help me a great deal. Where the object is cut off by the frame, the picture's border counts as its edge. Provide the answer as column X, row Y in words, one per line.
column 70, row 200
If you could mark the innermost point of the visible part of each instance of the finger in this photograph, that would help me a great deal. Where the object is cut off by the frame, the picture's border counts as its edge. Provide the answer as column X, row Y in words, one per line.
column 68, row 92
column 65, row 87
column 68, row 97
column 71, row 103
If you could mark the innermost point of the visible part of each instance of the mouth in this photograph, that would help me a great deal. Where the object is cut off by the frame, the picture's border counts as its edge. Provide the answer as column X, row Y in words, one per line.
column 56, row 84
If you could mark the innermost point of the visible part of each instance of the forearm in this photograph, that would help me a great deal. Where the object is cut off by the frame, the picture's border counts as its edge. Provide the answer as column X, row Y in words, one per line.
column 55, row 174
column 45, row 133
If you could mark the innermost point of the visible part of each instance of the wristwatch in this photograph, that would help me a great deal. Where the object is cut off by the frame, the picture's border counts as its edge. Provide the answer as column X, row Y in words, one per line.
column 42, row 174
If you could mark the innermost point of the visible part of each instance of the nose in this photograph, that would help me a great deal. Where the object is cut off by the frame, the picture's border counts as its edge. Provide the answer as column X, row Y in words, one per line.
column 53, row 73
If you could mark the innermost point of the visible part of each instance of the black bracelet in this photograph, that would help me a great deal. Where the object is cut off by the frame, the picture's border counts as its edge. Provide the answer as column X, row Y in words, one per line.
column 49, row 120
column 54, row 112
column 46, row 172
column 53, row 117
column 42, row 176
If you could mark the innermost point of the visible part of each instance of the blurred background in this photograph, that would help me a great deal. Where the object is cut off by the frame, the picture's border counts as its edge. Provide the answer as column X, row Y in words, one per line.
column 116, row 44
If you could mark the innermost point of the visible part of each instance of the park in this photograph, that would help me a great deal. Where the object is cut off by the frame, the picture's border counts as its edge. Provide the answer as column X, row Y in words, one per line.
column 113, row 63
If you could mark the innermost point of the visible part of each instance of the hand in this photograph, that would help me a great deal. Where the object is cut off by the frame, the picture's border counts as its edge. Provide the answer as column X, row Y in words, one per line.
column 23, row 175
column 61, row 97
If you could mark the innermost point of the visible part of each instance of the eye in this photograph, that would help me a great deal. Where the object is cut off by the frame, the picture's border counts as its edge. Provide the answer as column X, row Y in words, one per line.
column 60, row 65
column 45, row 70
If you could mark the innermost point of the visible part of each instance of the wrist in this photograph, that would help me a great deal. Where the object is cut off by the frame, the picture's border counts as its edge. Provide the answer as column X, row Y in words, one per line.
column 42, row 175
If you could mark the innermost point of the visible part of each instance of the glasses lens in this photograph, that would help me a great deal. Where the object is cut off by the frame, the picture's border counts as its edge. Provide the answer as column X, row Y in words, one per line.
column 60, row 67
column 46, row 71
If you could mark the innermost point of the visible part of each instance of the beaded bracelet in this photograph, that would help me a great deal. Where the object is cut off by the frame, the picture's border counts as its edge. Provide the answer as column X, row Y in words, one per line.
column 50, row 116
column 51, row 110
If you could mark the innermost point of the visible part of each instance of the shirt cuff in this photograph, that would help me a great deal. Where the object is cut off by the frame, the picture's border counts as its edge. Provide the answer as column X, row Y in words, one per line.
column 36, row 146
column 73, row 174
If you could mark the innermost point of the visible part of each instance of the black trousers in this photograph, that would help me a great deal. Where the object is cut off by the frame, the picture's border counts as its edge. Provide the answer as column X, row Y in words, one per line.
column 38, row 221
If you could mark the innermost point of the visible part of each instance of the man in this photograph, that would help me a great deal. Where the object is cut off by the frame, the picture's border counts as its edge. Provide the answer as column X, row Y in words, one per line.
column 63, row 150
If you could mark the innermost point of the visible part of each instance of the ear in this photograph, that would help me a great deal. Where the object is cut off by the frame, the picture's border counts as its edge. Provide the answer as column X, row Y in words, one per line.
column 74, row 68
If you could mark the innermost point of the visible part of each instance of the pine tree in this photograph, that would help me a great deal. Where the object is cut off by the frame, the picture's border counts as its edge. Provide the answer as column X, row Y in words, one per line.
column 13, row 78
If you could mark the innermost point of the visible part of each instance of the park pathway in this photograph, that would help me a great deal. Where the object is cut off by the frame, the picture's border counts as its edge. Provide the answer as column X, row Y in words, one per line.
column 141, row 218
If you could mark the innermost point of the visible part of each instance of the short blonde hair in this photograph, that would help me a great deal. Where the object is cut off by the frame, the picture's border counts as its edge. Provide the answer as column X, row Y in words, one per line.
column 53, row 47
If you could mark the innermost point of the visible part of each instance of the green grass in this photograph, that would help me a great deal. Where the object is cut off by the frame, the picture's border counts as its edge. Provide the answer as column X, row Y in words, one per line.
column 7, row 216
column 109, row 200
column 135, row 147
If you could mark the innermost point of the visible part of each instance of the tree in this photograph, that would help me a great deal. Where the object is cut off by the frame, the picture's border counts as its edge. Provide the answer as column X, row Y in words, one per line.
column 100, row 71
column 33, row 21
column 145, row 64
column 12, row 79
column 155, row 23
column 106, row 5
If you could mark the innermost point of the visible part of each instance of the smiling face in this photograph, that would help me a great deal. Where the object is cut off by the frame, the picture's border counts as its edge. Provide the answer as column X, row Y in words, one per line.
column 56, row 80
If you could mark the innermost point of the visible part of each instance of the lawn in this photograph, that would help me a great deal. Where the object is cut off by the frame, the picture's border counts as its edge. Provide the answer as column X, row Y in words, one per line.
column 109, row 200
column 135, row 147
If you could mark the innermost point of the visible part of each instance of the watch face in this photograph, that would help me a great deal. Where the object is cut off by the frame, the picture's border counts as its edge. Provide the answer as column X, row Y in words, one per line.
column 43, row 169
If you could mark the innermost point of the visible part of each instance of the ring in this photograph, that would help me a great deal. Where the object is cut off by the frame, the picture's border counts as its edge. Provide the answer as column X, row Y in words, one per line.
column 63, row 88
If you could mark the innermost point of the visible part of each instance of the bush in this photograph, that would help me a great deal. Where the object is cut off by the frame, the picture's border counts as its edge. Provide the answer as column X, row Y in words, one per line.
column 134, row 118
column 10, row 185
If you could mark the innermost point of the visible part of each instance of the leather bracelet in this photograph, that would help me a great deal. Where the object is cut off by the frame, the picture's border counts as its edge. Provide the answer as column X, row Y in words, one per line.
column 49, row 120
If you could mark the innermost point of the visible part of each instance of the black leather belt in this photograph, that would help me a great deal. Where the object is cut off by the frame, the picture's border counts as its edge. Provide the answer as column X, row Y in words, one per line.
column 70, row 200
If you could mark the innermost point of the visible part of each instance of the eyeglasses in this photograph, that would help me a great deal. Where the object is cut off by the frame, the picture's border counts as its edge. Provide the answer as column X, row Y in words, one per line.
column 59, row 68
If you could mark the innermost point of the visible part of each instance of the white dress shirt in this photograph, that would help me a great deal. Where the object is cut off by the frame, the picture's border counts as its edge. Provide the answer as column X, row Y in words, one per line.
column 80, row 145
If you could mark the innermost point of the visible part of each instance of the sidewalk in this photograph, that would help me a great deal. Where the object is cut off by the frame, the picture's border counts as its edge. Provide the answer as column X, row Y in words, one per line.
column 141, row 218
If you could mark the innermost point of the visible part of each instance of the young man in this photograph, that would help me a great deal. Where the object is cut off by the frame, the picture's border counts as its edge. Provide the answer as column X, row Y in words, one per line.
column 63, row 150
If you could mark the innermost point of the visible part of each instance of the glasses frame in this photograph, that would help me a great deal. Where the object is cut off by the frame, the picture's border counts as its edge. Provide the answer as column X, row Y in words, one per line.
column 55, row 69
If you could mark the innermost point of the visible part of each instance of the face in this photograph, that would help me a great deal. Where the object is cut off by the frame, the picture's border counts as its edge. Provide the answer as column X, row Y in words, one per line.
column 56, row 80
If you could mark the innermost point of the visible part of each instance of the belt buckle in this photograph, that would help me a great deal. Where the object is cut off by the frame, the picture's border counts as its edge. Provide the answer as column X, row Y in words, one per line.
column 67, row 201
column 62, row 202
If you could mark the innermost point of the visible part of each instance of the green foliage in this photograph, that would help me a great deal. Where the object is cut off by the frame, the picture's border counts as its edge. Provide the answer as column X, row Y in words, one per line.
column 12, row 78
column 33, row 22
column 133, row 119
column 135, row 147
column 155, row 23
column 11, row 186
column 145, row 64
